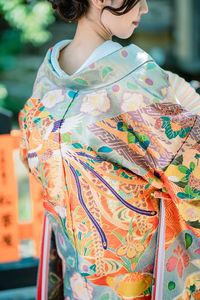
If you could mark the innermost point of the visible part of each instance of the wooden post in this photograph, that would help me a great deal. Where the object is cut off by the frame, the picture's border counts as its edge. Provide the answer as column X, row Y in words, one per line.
column 11, row 231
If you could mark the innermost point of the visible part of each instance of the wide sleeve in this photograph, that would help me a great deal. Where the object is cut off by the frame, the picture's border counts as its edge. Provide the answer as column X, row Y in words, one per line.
column 159, row 142
column 23, row 149
column 37, row 92
column 182, row 176
column 185, row 93
column 184, row 170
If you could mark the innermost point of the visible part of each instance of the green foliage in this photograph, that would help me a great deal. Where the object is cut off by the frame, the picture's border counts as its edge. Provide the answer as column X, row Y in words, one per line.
column 31, row 20
column 28, row 22
column 3, row 93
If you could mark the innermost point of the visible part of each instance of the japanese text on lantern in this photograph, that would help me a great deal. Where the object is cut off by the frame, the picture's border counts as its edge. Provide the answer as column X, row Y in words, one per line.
column 8, row 202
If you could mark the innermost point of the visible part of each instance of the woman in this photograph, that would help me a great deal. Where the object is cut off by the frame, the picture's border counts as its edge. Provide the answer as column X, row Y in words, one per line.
column 115, row 142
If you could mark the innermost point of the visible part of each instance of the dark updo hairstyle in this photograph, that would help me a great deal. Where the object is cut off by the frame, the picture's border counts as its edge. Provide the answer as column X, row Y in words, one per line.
column 72, row 10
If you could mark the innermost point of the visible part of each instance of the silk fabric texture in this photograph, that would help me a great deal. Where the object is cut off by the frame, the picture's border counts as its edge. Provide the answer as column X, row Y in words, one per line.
column 117, row 156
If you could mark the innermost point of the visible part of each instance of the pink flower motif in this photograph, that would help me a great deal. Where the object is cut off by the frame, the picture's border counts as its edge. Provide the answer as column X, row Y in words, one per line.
column 124, row 53
column 179, row 261
column 116, row 88
column 149, row 81
column 197, row 251
column 85, row 268
column 158, row 123
column 149, row 269
column 82, row 227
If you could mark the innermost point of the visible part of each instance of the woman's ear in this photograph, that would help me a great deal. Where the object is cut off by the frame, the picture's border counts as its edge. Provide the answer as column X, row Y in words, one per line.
column 101, row 3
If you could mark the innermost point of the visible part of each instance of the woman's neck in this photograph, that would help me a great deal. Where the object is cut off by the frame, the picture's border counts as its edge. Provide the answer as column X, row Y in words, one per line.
column 89, row 35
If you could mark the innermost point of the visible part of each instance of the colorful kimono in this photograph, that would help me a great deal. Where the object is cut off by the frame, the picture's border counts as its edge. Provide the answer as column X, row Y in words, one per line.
column 118, row 157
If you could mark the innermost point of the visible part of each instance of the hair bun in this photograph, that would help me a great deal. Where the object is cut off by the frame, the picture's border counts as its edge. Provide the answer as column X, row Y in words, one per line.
column 70, row 10
column 54, row 3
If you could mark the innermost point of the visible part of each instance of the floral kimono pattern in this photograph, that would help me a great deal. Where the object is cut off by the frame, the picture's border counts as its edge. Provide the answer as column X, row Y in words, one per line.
column 118, row 159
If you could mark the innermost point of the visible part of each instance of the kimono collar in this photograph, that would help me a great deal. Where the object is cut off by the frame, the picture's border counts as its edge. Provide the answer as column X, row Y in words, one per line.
column 105, row 71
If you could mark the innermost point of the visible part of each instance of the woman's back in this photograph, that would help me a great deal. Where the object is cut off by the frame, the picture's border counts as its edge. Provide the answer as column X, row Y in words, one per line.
column 118, row 158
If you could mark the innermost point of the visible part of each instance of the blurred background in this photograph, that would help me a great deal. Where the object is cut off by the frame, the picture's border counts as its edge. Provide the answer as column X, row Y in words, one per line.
column 170, row 33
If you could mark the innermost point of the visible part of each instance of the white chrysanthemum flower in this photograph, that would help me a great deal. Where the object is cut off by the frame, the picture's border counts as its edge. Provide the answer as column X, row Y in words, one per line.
column 96, row 103
column 131, row 101
column 52, row 98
